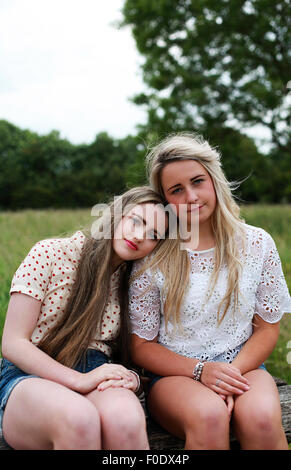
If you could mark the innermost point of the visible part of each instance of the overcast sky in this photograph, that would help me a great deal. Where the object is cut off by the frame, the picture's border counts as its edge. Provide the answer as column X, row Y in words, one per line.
column 65, row 66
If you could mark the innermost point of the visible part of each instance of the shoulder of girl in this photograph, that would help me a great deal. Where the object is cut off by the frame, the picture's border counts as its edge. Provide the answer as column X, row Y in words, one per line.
column 59, row 243
column 257, row 231
column 260, row 238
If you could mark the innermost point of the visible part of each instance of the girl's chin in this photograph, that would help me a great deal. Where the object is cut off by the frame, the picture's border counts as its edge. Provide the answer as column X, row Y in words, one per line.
column 125, row 255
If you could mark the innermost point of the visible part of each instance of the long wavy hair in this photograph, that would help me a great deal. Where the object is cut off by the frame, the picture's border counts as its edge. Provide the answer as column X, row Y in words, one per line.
column 69, row 339
column 226, row 224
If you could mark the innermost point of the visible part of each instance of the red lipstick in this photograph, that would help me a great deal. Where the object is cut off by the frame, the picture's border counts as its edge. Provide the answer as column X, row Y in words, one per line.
column 131, row 245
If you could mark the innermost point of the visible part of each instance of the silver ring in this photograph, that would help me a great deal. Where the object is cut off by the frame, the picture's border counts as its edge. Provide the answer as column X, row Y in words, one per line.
column 217, row 382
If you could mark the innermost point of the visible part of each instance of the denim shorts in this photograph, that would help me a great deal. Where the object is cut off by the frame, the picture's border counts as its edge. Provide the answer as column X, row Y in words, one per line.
column 11, row 375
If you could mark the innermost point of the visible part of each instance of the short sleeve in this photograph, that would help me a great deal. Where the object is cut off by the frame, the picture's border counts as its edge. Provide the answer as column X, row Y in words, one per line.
column 144, row 304
column 34, row 273
column 272, row 298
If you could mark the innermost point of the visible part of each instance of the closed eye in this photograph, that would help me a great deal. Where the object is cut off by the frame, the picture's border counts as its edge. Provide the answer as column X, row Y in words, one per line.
column 153, row 236
column 135, row 220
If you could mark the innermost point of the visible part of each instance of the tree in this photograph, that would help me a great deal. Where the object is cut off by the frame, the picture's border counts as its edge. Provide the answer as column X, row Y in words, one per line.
column 48, row 171
column 210, row 64
column 12, row 166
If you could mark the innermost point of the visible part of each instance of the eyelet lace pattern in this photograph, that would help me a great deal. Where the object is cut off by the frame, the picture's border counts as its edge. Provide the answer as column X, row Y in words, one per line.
column 263, row 291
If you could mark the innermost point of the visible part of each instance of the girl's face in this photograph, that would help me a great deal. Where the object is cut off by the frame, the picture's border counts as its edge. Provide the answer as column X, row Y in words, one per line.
column 187, row 182
column 139, row 232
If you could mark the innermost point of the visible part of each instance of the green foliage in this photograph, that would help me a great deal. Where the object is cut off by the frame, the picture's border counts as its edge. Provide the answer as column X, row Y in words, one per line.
column 208, row 63
column 243, row 163
column 47, row 171
column 50, row 172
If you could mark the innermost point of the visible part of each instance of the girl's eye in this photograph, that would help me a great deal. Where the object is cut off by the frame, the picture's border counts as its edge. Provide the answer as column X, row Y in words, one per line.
column 152, row 236
column 176, row 190
column 136, row 220
column 200, row 180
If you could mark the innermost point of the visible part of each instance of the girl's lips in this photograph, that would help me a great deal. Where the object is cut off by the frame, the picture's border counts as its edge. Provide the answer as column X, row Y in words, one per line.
column 196, row 208
column 131, row 245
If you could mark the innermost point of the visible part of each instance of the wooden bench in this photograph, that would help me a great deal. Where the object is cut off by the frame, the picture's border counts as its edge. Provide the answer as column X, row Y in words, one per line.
column 160, row 439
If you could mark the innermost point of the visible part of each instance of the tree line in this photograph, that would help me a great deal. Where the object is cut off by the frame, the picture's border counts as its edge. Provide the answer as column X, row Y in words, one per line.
column 47, row 171
column 215, row 68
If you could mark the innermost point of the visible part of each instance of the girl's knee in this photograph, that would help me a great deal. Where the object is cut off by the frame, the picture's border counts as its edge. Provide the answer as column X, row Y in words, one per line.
column 259, row 423
column 263, row 419
column 125, row 413
column 214, row 416
column 78, row 427
column 210, row 421
column 126, row 419
column 209, row 428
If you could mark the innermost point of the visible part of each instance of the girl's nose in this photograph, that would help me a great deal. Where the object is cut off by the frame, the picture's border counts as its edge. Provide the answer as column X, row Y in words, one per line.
column 138, row 233
column 191, row 196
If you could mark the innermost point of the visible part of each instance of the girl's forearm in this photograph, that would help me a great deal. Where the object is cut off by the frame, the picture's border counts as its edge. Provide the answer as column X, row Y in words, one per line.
column 33, row 361
column 161, row 361
column 22, row 316
column 259, row 346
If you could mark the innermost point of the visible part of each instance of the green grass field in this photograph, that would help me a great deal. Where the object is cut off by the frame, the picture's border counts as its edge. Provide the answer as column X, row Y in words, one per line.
column 20, row 230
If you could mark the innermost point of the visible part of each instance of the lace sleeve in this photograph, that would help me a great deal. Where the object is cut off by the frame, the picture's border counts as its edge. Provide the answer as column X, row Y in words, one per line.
column 272, row 299
column 144, row 305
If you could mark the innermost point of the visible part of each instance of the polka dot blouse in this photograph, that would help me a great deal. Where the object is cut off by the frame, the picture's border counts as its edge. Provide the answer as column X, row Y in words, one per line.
column 48, row 274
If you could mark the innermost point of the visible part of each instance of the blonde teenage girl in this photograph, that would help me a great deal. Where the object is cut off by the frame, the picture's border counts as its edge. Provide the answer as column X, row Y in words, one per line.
column 205, row 318
column 64, row 381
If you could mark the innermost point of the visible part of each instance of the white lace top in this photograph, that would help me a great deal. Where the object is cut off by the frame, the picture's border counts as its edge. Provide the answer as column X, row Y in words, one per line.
column 263, row 291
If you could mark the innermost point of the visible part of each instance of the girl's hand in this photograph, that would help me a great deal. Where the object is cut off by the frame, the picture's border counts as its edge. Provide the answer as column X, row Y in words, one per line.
column 131, row 383
column 224, row 378
column 229, row 401
column 107, row 372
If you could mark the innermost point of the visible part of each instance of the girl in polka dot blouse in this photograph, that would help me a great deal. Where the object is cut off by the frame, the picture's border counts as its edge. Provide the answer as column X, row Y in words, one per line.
column 67, row 331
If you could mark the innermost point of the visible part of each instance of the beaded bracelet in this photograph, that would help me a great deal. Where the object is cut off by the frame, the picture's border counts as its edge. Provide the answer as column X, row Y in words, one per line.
column 197, row 372
column 137, row 379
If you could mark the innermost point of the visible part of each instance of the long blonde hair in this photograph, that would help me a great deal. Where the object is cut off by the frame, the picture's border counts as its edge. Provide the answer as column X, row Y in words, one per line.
column 226, row 223
column 69, row 339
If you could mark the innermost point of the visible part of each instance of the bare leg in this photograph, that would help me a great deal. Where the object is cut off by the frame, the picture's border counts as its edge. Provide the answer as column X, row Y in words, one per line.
column 41, row 414
column 257, row 414
column 190, row 411
column 122, row 419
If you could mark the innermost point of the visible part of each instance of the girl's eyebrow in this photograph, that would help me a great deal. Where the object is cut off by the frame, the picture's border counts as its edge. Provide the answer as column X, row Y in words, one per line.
column 144, row 223
column 179, row 184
